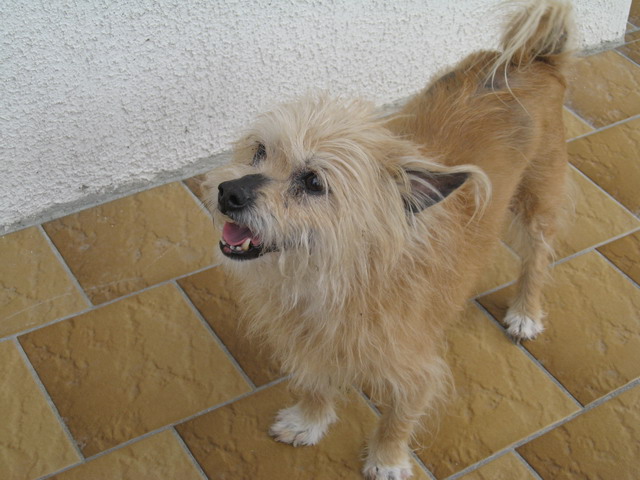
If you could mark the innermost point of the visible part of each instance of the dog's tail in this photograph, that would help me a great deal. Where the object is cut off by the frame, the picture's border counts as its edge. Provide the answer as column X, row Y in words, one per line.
column 538, row 30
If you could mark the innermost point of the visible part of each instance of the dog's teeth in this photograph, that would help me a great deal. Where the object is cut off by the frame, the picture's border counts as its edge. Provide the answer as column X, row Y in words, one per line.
column 245, row 245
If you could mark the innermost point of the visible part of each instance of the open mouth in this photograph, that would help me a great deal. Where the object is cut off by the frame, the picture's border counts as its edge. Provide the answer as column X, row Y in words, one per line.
column 239, row 242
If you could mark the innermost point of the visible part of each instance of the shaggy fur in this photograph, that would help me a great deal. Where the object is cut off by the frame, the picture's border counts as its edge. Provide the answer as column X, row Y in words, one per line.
column 368, row 233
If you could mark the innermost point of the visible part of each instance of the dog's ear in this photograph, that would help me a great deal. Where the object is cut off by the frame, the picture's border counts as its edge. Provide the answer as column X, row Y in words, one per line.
column 428, row 188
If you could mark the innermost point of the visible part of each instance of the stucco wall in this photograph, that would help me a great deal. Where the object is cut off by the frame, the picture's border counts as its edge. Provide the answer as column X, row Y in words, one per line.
column 103, row 98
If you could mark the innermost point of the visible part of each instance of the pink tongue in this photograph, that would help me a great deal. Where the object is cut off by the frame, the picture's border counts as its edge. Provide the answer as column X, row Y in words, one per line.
column 234, row 234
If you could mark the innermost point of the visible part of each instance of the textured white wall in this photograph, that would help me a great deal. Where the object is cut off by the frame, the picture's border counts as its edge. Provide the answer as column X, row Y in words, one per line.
column 101, row 98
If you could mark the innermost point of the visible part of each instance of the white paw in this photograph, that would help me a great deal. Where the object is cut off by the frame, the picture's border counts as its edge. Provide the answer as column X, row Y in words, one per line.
column 522, row 327
column 386, row 472
column 291, row 427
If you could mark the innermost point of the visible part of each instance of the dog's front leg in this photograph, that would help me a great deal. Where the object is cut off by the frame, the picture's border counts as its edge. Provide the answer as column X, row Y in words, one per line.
column 388, row 450
column 306, row 422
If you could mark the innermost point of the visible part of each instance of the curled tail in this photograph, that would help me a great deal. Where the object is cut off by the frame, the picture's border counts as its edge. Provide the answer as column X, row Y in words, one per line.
column 538, row 30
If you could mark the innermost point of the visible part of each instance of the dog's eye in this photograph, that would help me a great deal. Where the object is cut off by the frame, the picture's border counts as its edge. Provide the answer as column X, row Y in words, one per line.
column 312, row 183
column 260, row 154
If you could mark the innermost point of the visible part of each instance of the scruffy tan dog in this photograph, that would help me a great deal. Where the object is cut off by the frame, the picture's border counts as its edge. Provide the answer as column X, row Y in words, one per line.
column 357, row 238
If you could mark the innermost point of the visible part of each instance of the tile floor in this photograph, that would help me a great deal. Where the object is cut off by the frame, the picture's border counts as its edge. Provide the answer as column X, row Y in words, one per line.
column 120, row 357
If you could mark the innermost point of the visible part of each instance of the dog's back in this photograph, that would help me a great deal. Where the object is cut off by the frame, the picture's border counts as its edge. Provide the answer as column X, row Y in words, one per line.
column 503, row 113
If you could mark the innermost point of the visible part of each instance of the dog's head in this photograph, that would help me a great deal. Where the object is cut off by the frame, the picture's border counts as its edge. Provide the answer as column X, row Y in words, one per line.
column 322, row 185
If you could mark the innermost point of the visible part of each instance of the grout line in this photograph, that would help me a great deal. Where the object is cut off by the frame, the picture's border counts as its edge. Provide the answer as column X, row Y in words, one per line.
column 480, row 464
column 62, row 470
column 566, row 259
column 493, row 290
column 594, row 247
column 620, row 271
column 633, row 62
column 586, row 177
column 109, row 302
column 506, row 451
column 166, row 427
column 575, row 254
column 612, row 394
column 215, row 336
column 510, row 248
column 527, row 465
column 421, row 464
column 49, row 400
column 587, row 122
column 531, row 357
column 548, row 428
column 232, row 400
column 65, row 265
column 108, row 451
column 629, row 58
column 603, row 128
column 189, row 453
column 368, row 401
column 415, row 457
column 195, row 198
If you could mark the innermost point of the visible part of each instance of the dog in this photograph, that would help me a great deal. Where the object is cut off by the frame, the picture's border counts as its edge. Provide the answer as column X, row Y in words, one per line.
column 356, row 238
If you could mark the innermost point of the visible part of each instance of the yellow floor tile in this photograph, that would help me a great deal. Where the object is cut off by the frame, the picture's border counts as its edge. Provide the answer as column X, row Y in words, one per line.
column 600, row 444
column 634, row 13
column 34, row 286
column 503, row 268
column 32, row 441
column 130, row 367
column 610, row 159
column 597, row 218
column 625, row 254
column 195, row 185
column 604, row 88
column 212, row 292
column 574, row 125
column 232, row 442
column 592, row 339
column 501, row 397
column 128, row 244
column 157, row 457
column 631, row 48
column 507, row 467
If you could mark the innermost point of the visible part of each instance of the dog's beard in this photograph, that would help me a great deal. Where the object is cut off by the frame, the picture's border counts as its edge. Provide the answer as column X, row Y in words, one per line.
column 304, row 266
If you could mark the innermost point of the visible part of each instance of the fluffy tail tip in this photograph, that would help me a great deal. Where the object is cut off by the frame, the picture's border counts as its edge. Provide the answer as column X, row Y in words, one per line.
column 537, row 30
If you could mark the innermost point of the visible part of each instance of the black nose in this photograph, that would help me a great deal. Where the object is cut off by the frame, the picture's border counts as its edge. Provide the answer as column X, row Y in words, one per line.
column 236, row 195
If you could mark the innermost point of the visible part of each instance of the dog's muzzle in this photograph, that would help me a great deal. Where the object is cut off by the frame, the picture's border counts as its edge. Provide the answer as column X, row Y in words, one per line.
column 235, row 197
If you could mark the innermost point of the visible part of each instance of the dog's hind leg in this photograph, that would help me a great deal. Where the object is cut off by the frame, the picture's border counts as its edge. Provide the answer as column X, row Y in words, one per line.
column 306, row 422
column 539, row 207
